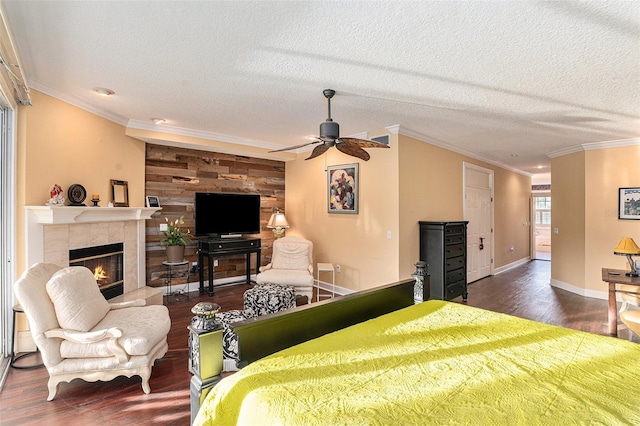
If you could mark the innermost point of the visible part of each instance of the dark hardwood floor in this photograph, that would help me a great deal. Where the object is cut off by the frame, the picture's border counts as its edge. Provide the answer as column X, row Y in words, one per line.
column 523, row 291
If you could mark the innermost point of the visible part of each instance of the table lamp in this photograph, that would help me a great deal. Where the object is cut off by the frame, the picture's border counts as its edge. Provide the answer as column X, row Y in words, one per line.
column 278, row 223
column 628, row 247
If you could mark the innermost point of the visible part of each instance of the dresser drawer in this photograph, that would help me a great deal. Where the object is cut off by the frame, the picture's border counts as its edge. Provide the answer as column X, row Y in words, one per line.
column 454, row 263
column 454, row 239
column 454, row 250
column 454, row 229
column 455, row 275
column 456, row 289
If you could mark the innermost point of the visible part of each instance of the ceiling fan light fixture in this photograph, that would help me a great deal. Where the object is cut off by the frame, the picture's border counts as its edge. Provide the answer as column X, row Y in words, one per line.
column 103, row 91
column 329, row 131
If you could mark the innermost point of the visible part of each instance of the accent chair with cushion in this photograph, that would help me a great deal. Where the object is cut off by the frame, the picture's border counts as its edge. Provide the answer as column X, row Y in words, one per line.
column 81, row 335
column 291, row 264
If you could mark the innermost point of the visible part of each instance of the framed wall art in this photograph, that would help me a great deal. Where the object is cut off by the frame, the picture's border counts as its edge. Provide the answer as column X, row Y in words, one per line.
column 629, row 203
column 342, row 189
column 153, row 201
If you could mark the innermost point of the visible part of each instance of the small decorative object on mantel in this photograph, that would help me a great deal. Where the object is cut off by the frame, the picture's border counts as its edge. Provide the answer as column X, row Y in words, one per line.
column 175, row 240
column 76, row 194
column 95, row 199
column 120, row 193
column 56, row 197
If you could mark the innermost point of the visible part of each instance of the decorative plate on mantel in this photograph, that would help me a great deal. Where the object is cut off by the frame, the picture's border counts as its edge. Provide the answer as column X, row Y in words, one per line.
column 76, row 194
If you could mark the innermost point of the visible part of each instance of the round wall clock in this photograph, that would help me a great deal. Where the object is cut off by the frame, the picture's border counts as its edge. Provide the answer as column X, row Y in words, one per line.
column 76, row 195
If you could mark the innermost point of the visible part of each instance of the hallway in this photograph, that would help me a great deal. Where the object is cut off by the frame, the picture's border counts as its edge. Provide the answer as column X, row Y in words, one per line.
column 526, row 292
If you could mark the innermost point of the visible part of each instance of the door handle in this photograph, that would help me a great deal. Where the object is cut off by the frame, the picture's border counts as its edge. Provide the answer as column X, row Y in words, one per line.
column 481, row 246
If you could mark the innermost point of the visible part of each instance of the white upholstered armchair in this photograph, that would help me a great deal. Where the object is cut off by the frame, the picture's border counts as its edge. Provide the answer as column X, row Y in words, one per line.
column 81, row 335
column 291, row 264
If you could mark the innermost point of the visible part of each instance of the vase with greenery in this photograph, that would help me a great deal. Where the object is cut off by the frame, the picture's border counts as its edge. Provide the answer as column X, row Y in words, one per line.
column 175, row 239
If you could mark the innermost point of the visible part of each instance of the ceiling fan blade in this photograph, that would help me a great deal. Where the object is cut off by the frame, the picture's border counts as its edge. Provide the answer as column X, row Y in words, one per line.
column 352, row 149
column 296, row 146
column 363, row 143
column 318, row 150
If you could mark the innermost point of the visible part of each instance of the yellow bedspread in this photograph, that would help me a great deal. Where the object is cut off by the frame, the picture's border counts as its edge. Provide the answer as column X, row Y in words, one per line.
column 437, row 363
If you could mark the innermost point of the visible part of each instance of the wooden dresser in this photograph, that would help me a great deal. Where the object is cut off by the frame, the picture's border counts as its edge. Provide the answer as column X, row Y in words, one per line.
column 443, row 245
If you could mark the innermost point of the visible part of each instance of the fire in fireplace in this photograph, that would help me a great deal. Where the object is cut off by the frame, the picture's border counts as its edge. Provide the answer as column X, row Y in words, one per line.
column 107, row 264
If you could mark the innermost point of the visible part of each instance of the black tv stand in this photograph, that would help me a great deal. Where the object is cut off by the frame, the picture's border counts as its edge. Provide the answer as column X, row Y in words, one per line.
column 214, row 248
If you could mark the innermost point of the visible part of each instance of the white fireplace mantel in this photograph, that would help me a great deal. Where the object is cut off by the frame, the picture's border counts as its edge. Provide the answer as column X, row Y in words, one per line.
column 58, row 215
column 128, row 222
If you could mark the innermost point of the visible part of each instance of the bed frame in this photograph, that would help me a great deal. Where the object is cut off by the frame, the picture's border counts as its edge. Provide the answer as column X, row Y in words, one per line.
column 264, row 335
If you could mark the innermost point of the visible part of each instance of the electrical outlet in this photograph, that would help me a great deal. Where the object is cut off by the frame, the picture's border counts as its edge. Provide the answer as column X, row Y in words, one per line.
column 215, row 263
column 338, row 268
column 164, row 227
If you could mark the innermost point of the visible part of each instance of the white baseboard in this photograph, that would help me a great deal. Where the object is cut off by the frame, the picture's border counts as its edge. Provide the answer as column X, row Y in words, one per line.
column 594, row 294
column 195, row 286
column 511, row 265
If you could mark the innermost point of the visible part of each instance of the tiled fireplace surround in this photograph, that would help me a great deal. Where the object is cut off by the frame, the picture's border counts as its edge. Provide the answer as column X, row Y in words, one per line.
column 52, row 231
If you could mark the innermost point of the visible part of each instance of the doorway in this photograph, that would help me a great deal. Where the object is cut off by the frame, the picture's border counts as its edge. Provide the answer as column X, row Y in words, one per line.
column 478, row 210
column 541, row 226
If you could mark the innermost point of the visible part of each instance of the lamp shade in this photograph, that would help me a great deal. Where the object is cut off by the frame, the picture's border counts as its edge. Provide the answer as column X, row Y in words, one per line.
column 626, row 246
column 277, row 220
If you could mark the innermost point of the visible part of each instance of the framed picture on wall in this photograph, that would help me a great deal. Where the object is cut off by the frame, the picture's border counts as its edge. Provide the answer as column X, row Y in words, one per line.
column 153, row 201
column 342, row 189
column 629, row 203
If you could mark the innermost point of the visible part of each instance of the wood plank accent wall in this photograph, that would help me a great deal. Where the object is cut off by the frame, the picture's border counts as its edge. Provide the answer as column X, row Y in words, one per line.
column 176, row 174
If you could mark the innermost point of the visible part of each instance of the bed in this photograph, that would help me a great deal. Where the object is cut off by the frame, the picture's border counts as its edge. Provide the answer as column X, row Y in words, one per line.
column 435, row 362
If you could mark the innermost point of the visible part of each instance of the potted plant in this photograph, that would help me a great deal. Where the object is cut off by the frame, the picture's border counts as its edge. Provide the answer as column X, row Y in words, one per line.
column 175, row 239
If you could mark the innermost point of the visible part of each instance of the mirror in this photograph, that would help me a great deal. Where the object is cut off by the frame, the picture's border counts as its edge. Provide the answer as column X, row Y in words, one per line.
column 119, row 193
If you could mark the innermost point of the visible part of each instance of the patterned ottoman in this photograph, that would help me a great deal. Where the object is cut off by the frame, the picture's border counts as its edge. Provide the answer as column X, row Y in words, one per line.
column 229, row 338
column 266, row 299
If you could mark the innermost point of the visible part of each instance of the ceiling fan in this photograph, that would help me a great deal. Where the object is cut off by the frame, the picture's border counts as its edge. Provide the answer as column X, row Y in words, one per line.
column 330, row 136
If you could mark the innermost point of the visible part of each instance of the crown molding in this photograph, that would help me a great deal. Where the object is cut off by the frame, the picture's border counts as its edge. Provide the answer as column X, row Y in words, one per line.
column 200, row 134
column 77, row 102
column 594, row 146
column 423, row 138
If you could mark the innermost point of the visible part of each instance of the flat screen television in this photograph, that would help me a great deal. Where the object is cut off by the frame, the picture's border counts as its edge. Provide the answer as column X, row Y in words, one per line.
column 224, row 214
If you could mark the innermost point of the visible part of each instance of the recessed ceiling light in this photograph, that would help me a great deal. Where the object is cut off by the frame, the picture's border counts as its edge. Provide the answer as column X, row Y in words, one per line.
column 540, row 167
column 102, row 91
column 158, row 120
column 514, row 155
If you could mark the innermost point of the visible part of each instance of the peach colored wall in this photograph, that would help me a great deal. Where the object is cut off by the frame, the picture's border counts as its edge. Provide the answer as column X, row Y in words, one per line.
column 431, row 188
column 584, row 191
column 568, row 216
column 412, row 181
column 60, row 143
column 358, row 242
column 607, row 170
column 512, row 221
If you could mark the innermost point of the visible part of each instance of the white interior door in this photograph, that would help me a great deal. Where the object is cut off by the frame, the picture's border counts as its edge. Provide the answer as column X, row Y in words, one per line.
column 478, row 210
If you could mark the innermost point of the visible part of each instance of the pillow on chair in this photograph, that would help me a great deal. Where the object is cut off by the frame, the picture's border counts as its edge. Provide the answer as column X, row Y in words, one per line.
column 292, row 256
column 77, row 299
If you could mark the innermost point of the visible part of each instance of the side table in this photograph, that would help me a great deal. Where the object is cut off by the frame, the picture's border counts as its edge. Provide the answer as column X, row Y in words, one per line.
column 326, row 267
column 171, row 275
column 17, row 309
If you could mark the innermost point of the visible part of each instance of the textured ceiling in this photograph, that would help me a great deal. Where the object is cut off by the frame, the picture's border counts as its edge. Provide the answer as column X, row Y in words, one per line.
column 510, row 81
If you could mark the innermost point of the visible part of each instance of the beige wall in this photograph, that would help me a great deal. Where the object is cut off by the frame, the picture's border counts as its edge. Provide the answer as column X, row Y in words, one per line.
column 585, row 211
column 512, row 216
column 357, row 242
column 63, row 144
column 431, row 188
column 412, row 181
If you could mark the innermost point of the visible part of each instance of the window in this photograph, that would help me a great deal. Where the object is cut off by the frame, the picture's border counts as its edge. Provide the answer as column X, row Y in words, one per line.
column 543, row 211
column 7, row 226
